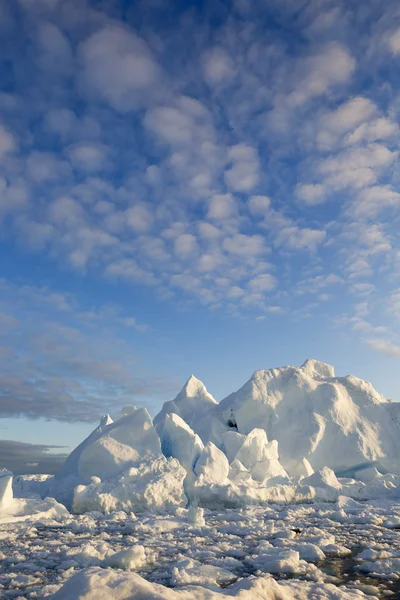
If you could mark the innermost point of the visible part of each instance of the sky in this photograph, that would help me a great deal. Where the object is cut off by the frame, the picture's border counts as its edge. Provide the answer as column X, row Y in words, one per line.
column 203, row 188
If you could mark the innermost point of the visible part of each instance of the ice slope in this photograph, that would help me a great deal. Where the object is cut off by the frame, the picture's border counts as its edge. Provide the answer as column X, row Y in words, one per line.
column 71, row 465
column 113, row 446
column 179, row 441
column 6, row 490
column 192, row 402
column 109, row 450
column 339, row 422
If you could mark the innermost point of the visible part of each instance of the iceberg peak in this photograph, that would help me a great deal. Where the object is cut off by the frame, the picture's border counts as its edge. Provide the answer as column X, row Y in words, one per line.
column 316, row 367
column 193, row 387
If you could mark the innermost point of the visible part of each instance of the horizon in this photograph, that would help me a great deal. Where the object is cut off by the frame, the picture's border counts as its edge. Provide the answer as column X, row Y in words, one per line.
column 207, row 188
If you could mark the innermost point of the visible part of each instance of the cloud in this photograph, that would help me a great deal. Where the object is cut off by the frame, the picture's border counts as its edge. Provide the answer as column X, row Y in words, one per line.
column 218, row 66
column 259, row 205
column 384, row 347
column 88, row 157
column 183, row 161
column 375, row 199
column 394, row 42
column 356, row 168
column 311, row 194
column 119, row 66
column 22, row 458
column 333, row 66
column 263, row 283
column 242, row 176
column 61, row 362
column 347, row 117
column 221, row 207
column 7, row 141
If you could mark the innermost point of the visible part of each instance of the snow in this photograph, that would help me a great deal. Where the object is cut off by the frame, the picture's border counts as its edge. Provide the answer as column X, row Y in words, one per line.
column 260, row 496
column 155, row 485
column 128, row 560
column 212, row 465
column 325, row 484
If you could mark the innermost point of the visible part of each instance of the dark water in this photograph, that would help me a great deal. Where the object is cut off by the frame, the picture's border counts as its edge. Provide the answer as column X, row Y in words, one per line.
column 344, row 572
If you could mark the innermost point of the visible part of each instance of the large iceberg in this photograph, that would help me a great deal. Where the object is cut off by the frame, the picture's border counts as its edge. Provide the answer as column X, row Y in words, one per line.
column 285, row 436
column 339, row 422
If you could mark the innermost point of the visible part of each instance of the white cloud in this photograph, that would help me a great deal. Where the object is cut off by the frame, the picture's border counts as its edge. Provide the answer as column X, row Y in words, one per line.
column 218, row 66
column 139, row 217
column 65, row 211
column 119, row 66
column 208, row 231
column 362, row 289
column 347, row 117
column 259, row 205
column 221, row 207
column 8, row 142
column 88, row 157
column 242, row 176
column 373, row 200
column 296, row 238
column 244, row 245
column 311, row 194
column 185, row 246
column 208, row 262
column 358, row 167
column 384, row 346
column 358, row 267
column 394, row 42
column 394, row 304
column 376, row 130
column 171, row 125
column 317, row 74
column 263, row 283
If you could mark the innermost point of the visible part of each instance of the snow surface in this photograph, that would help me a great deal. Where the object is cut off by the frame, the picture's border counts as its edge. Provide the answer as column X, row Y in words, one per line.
column 265, row 495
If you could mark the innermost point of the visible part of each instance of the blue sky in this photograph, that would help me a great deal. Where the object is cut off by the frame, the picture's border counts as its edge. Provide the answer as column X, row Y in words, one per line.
column 205, row 187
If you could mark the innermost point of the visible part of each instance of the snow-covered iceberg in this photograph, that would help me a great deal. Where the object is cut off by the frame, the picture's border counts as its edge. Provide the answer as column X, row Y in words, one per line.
column 339, row 422
column 291, row 434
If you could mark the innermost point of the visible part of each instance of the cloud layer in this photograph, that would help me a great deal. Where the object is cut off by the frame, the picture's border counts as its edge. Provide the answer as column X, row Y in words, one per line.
column 240, row 156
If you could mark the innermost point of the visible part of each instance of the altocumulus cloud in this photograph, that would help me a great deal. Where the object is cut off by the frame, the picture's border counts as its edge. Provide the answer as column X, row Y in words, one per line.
column 201, row 153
